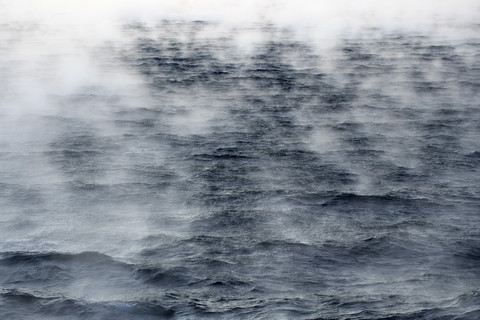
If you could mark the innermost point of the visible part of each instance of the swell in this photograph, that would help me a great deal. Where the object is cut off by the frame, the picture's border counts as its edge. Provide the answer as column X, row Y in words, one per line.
column 25, row 304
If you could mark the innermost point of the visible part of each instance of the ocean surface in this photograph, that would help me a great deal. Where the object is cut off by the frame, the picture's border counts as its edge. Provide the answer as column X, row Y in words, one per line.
column 186, row 169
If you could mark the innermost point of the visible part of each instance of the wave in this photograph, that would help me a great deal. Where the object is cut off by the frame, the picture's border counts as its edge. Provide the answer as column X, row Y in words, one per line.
column 55, row 269
column 357, row 199
column 34, row 257
column 24, row 304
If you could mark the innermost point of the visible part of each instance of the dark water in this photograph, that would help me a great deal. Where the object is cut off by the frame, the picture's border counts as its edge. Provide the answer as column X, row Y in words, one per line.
column 188, row 177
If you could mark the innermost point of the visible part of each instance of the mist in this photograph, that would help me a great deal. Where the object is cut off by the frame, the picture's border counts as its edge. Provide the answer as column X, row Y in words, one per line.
column 255, row 159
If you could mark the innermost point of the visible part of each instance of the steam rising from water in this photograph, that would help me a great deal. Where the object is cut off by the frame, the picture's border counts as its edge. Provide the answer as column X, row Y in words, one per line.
column 296, row 159
column 319, row 19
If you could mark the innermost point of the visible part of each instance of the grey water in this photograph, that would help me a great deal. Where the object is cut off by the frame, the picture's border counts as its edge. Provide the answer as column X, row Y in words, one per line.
column 166, row 166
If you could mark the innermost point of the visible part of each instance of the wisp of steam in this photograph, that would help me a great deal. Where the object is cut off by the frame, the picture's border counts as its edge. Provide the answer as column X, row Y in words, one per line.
column 224, row 159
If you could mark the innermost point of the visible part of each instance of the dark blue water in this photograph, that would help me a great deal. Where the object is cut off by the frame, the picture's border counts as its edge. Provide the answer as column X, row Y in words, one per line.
column 174, row 174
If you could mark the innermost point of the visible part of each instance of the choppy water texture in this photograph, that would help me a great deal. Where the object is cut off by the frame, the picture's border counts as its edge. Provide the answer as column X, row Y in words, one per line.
column 178, row 172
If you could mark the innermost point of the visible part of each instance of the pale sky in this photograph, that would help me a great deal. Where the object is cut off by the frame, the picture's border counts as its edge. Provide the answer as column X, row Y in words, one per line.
column 279, row 11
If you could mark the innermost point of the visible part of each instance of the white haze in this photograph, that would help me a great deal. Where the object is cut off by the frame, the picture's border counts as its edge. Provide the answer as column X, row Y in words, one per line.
column 51, row 34
column 47, row 52
column 47, row 45
column 48, row 56
column 325, row 17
